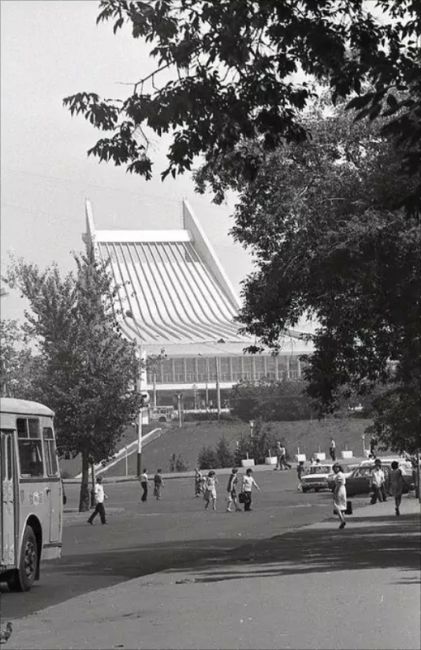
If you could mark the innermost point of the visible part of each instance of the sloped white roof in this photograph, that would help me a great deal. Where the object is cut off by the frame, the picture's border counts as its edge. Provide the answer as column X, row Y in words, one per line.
column 172, row 289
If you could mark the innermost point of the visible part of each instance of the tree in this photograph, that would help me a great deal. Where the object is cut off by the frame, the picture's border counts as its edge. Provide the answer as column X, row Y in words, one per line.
column 270, row 401
column 257, row 446
column 330, row 239
column 19, row 367
column 224, row 455
column 243, row 70
column 89, row 370
column 207, row 458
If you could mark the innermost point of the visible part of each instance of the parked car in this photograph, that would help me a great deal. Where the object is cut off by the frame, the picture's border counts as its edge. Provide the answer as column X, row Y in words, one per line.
column 315, row 477
column 360, row 480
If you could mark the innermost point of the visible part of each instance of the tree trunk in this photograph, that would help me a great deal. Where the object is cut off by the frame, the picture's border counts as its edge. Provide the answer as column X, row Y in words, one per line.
column 84, row 486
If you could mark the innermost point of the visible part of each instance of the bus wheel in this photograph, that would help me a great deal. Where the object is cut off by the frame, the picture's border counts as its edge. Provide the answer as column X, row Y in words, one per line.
column 23, row 578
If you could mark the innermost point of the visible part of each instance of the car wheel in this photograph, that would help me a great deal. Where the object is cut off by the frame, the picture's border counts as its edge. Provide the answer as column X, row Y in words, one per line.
column 304, row 489
column 22, row 578
column 316, row 489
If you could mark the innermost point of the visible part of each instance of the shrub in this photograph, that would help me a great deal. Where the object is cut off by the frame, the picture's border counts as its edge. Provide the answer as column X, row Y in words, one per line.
column 224, row 455
column 177, row 464
column 207, row 458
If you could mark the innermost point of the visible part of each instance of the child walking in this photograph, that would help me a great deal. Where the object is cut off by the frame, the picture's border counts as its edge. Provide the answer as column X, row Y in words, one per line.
column 232, row 496
column 210, row 490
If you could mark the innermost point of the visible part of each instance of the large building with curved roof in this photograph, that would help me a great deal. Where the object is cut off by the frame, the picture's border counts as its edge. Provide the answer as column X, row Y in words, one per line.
column 176, row 301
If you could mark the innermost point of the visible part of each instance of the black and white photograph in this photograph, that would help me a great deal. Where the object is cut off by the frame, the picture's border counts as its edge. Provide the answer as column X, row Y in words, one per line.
column 210, row 325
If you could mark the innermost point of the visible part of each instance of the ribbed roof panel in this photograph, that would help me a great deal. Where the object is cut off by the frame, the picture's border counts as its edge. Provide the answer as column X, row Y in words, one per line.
column 168, row 290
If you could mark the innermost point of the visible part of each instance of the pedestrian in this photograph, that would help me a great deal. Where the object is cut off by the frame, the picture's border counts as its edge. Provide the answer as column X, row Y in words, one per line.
column 144, row 485
column 248, row 484
column 232, row 496
column 281, row 457
column 198, row 482
column 157, row 484
column 396, row 485
column 100, row 496
column 377, row 482
column 373, row 447
column 332, row 450
column 300, row 472
column 210, row 490
column 339, row 494
column 284, row 461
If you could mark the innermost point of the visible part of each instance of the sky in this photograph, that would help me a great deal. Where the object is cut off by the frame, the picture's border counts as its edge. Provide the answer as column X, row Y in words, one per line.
column 49, row 50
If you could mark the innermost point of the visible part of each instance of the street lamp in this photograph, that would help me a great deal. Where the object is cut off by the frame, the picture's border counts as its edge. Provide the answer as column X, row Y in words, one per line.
column 179, row 407
column 143, row 393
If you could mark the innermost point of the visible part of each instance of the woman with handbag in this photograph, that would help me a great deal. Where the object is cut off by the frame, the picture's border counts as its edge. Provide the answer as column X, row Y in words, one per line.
column 339, row 494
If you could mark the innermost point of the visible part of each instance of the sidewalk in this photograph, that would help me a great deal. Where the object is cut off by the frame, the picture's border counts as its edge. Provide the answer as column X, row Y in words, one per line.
column 313, row 587
column 219, row 471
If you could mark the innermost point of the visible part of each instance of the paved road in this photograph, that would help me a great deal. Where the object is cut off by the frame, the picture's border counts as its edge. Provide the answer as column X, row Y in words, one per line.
column 175, row 532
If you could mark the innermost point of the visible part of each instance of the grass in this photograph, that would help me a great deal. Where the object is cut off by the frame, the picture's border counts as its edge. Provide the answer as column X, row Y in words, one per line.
column 308, row 435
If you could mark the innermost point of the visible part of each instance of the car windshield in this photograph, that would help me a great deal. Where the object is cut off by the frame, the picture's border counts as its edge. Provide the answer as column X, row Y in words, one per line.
column 319, row 469
column 363, row 471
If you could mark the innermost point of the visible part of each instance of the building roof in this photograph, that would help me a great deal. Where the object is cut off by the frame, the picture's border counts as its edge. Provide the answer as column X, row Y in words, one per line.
column 172, row 291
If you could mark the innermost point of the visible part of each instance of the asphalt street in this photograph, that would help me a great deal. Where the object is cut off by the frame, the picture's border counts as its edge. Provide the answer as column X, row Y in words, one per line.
column 173, row 533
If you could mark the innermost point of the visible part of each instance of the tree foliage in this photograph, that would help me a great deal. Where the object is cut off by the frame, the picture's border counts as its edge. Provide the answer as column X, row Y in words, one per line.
column 330, row 239
column 207, row 458
column 258, row 446
column 89, row 370
column 224, row 455
column 244, row 69
column 270, row 401
column 19, row 367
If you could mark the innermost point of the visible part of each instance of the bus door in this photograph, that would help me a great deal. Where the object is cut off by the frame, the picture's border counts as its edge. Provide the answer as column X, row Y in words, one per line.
column 54, row 490
column 8, row 492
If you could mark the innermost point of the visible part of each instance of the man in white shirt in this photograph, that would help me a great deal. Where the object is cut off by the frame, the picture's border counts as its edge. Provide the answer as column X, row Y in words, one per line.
column 144, row 484
column 100, row 496
column 248, row 484
column 377, row 482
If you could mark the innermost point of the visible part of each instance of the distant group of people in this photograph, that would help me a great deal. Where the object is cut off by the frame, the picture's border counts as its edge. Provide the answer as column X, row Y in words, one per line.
column 395, row 485
column 237, row 492
column 158, row 484
column 239, row 489
column 281, row 457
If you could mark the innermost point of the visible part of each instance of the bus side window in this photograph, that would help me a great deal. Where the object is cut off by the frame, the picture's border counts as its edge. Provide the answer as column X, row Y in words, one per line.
column 50, row 451
column 33, row 426
column 30, row 449
column 9, row 461
column 22, row 427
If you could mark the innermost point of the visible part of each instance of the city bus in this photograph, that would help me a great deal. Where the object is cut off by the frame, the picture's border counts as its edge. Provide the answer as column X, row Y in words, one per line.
column 31, row 513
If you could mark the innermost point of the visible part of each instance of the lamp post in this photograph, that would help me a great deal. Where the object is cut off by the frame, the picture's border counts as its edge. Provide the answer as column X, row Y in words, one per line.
column 218, row 388
column 144, row 395
column 179, row 407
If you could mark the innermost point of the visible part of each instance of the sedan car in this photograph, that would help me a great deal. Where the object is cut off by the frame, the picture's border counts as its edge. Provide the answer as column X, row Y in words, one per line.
column 315, row 478
column 360, row 480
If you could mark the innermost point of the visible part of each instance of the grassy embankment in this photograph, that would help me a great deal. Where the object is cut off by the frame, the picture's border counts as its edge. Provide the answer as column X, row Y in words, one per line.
column 309, row 436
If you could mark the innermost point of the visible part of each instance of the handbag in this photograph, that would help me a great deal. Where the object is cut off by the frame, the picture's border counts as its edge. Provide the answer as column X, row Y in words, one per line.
column 242, row 497
column 347, row 511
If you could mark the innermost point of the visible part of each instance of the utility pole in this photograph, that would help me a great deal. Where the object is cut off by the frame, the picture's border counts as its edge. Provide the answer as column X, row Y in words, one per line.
column 218, row 388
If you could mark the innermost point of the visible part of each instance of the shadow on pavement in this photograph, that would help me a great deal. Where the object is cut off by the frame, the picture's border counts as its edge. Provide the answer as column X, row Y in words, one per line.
column 373, row 543
column 393, row 543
